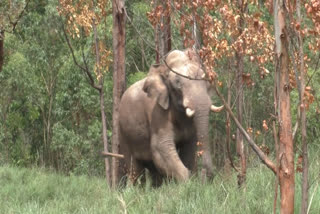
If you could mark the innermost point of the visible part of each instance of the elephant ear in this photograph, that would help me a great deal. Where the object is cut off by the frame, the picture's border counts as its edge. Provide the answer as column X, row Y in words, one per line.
column 155, row 87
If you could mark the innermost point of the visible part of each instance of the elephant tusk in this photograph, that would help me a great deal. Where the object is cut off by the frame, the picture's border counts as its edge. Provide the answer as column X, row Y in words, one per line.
column 189, row 112
column 216, row 109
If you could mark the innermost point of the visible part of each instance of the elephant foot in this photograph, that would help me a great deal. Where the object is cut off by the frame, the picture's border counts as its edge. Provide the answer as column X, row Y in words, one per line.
column 184, row 175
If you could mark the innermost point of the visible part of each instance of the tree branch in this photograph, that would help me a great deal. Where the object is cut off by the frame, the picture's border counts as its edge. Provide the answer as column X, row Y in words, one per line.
column 14, row 24
column 85, row 69
column 110, row 154
column 138, row 32
column 97, row 53
column 252, row 144
column 315, row 69
column 182, row 75
column 84, row 59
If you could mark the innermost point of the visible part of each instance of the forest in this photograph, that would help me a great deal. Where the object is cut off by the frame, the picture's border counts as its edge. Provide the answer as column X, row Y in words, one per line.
column 72, row 137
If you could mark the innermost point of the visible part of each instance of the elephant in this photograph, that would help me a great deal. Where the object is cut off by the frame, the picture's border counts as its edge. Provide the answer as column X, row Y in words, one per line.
column 164, row 116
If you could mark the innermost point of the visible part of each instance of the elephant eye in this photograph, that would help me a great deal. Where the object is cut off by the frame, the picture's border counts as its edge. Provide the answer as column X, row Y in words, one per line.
column 208, row 85
column 178, row 83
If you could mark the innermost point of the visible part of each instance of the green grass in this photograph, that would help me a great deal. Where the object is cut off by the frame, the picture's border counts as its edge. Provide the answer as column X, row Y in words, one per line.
column 34, row 191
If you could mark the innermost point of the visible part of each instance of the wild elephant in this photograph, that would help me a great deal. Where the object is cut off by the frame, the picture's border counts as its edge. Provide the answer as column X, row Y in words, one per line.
column 163, row 116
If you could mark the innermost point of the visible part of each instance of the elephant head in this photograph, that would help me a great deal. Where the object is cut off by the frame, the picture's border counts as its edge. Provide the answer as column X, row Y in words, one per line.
column 178, row 85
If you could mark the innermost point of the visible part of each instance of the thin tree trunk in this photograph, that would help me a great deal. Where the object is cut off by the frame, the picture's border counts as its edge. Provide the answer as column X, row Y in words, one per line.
column 49, row 128
column 104, row 137
column 240, row 145
column 166, row 35
column 118, row 33
column 305, row 165
column 1, row 49
column 45, row 147
column 97, row 87
column 157, row 43
column 103, row 114
column 5, row 133
column 49, row 81
column 163, row 34
column 195, row 36
column 239, row 102
column 228, row 123
column 286, row 170
column 142, row 54
column 276, row 141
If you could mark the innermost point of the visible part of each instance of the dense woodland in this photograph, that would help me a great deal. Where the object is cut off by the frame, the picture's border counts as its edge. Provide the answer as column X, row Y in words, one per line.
column 60, row 75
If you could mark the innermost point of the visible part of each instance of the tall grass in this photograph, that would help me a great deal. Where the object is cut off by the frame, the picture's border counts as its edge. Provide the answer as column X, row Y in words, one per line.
column 39, row 191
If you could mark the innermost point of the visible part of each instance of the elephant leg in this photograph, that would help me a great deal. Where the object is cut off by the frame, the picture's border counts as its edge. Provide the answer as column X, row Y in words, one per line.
column 123, row 163
column 156, row 177
column 167, row 160
column 187, row 153
column 130, row 168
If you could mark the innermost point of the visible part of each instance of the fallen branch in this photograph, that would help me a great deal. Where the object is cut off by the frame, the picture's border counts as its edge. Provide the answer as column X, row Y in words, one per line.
column 109, row 154
column 264, row 158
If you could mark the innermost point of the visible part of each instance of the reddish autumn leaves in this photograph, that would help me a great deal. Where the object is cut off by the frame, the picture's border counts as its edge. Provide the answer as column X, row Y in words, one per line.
column 313, row 12
column 217, row 21
column 82, row 16
column 310, row 33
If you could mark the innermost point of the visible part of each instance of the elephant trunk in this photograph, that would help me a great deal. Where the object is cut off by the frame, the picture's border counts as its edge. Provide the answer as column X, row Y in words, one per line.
column 201, row 120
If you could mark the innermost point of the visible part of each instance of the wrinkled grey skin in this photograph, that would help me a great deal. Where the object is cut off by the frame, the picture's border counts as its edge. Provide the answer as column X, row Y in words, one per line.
column 155, row 132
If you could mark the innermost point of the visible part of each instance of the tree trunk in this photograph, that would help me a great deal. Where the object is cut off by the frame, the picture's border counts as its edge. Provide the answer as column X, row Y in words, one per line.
column 49, row 126
column 239, row 102
column 103, row 114
column 5, row 140
column 99, row 87
column 240, row 145
column 195, row 36
column 143, row 55
column 49, row 78
column 104, row 137
column 228, row 160
column 1, row 49
column 119, row 36
column 163, row 34
column 286, row 156
column 305, row 165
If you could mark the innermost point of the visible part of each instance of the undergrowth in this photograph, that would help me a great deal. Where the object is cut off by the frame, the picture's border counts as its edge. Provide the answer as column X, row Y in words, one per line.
column 24, row 190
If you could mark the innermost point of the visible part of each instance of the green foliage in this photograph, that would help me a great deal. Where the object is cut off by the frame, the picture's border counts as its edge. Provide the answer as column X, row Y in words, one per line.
column 47, row 106
column 135, row 77
column 59, row 126
column 140, row 51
